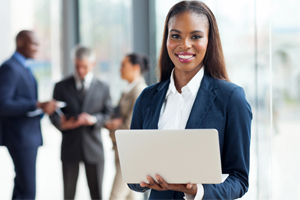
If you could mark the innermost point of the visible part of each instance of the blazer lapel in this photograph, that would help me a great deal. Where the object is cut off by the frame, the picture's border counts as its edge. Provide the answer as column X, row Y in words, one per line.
column 29, row 78
column 73, row 89
column 30, row 81
column 88, row 95
column 156, row 104
column 203, row 101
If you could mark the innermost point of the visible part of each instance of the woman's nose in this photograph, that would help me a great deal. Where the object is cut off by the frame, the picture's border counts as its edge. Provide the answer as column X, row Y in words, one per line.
column 186, row 43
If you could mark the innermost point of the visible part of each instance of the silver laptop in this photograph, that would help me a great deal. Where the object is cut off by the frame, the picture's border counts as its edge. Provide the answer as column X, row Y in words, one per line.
column 178, row 156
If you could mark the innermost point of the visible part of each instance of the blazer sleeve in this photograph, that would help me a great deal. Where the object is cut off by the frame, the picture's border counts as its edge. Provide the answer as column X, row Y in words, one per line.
column 11, row 106
column 55, row 118
column 107, row 110
column 236, row 150
column 127, row 120
column 137, row 123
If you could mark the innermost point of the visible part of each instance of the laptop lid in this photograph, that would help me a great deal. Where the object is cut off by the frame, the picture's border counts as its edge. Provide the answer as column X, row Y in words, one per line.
column 178, row 156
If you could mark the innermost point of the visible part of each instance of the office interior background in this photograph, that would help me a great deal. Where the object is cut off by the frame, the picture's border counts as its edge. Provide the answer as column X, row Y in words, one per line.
column 261, row 43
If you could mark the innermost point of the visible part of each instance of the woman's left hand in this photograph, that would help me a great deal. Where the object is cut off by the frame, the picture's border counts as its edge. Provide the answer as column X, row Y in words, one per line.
column 113, row 124
column 161, row 185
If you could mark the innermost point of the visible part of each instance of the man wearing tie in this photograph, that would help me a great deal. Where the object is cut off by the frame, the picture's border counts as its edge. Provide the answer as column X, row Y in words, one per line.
column 88, row 106
column 20, row 132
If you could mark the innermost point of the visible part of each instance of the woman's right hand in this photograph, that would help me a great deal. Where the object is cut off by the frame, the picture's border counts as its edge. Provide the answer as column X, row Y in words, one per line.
column 161, row 185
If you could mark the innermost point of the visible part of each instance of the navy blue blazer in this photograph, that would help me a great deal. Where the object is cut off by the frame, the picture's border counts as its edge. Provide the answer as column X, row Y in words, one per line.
column 18, row 91
column 221, row 105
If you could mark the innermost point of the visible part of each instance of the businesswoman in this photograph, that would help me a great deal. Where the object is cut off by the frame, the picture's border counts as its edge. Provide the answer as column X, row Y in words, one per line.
column 132, row 69
column 194, row 92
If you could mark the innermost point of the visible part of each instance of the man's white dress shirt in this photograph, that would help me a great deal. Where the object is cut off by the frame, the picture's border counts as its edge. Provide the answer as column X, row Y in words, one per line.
column 86, row 81
column 131, row 85
column 176, row 110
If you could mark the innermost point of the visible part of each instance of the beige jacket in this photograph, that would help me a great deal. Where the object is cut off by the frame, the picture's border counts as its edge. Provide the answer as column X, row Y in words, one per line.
column 126, row 105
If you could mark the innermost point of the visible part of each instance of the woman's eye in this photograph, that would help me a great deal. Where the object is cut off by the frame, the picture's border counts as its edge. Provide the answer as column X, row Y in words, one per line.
column 196, row 37
column 175, row 36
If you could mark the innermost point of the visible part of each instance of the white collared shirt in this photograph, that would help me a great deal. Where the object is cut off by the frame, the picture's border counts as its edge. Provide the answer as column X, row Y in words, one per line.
column 87, row 81
column 176, row 110
column 131, row 85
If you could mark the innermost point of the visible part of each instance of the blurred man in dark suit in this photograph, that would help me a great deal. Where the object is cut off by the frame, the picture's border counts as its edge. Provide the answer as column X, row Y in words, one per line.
column 21, row 132
column 88, row 107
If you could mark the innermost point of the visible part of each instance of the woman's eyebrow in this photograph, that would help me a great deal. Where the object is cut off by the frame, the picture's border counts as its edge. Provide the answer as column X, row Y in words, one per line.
column 196, row 31
column 175, row 30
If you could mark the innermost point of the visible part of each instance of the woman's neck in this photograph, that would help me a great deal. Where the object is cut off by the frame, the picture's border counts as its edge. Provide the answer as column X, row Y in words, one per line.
column 182, row 78
column 135, row 77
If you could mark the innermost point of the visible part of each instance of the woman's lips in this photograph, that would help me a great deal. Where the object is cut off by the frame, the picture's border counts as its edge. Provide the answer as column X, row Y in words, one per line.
column 185, row 57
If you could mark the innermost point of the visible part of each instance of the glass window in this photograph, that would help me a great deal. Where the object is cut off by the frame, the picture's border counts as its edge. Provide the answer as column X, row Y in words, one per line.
column 285, row 99
column 43, row 18
column 106, row 26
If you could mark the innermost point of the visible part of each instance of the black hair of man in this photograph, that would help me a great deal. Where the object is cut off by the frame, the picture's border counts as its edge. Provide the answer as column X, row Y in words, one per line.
column 23, row 34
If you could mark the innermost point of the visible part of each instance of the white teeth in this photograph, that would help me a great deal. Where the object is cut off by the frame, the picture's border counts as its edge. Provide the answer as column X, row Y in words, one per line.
column 185, row 56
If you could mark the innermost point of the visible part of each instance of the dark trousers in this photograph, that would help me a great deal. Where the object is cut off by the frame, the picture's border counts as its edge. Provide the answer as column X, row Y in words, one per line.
column 94, row 174
column 25, row 180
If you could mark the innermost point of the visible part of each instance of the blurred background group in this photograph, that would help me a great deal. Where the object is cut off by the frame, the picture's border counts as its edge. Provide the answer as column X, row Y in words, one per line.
column 261, row 44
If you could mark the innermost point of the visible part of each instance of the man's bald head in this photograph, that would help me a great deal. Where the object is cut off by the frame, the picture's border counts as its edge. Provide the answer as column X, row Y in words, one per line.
column 27, row 43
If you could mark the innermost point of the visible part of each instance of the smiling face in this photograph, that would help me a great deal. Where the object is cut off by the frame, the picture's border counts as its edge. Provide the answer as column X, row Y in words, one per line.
column 187, row 42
